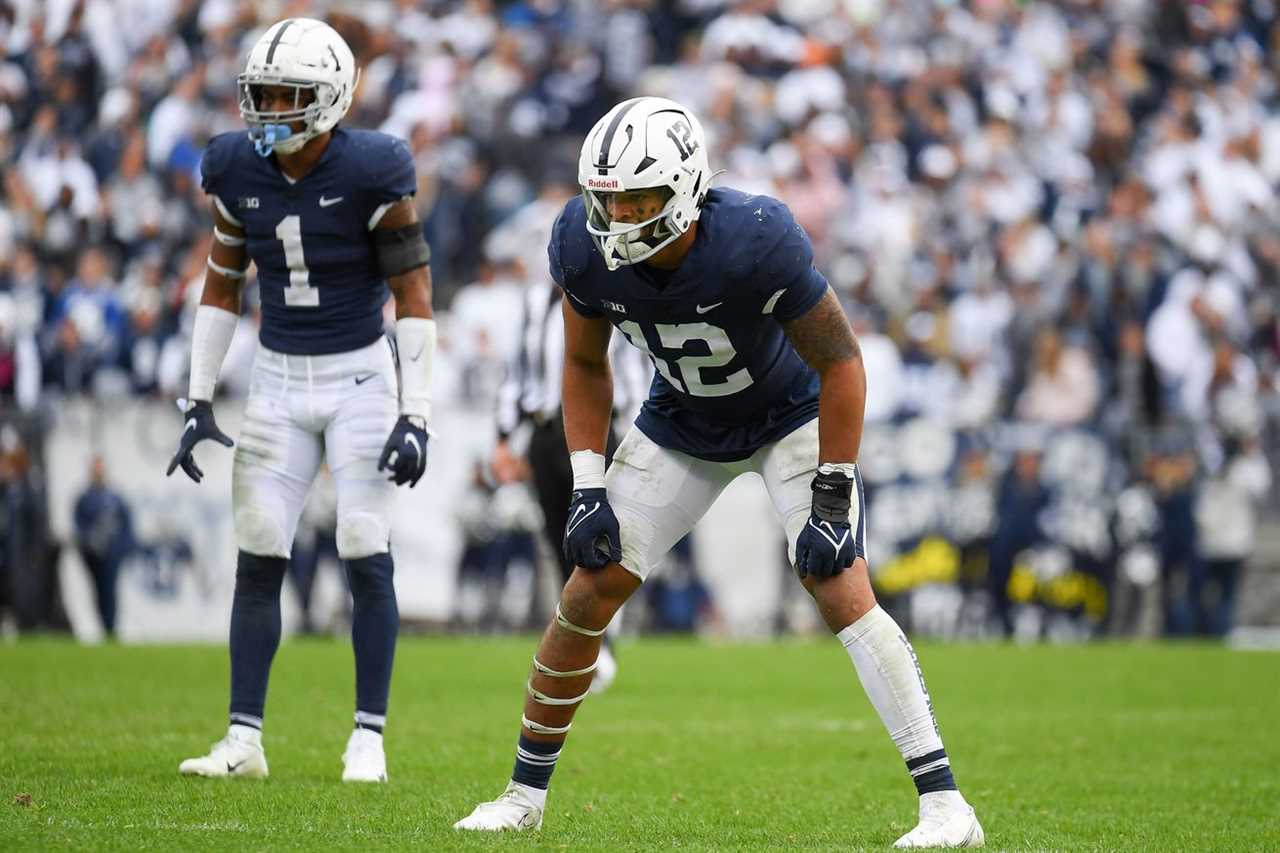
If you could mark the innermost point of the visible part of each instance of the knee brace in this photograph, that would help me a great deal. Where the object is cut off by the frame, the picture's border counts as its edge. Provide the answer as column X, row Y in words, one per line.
column 362, row 534
column 261, row 532
column 371, row 578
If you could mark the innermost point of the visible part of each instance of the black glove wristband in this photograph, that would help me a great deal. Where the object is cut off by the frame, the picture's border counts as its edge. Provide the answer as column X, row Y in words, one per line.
column 832, row 494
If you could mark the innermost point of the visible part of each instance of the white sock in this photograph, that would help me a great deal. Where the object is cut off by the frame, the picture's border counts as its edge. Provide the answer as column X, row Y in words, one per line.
column 538, row 796
column 891, row 677
column 953, row 799
column 245, row 734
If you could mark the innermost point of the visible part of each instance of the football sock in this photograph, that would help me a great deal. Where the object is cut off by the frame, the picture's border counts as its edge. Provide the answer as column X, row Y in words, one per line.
column 248, row 734
column 255, row 634
column 371, row 722
column 535, row 762
column 375, row 621
column 891, row 676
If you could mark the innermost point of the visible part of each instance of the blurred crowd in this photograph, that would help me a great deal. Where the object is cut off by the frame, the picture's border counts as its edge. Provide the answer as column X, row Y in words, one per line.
column 1059, row 214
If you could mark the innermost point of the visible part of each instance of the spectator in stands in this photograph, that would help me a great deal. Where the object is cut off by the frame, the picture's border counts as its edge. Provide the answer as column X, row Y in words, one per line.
column 1063, row 386
column 1226, row 512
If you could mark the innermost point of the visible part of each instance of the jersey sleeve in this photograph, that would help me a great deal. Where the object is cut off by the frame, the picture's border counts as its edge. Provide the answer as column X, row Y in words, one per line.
column 564, row 261
column 392, row 176
column 786, row 277
column 215, row 166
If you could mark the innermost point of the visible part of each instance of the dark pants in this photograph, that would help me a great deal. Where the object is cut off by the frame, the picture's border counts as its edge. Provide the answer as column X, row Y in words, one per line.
column 105, row 571
column 553, row 482
column 1214, row 614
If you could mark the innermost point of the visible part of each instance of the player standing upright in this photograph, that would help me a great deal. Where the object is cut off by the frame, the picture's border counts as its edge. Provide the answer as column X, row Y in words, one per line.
column 326, row 215
column 758, row 371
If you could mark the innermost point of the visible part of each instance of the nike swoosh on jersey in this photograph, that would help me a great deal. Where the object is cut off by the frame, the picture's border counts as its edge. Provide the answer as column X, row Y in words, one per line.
column 360, row 380
column 702, row 309
column 326, row 202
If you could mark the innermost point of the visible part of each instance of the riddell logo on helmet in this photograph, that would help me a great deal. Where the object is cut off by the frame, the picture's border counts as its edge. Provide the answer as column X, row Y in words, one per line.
column 603, row 184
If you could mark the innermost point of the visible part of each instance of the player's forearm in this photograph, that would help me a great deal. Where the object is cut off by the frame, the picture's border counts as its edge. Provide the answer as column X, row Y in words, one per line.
column 222, row 291
column 415, row 339
column 211, row 335
column 412, row 292
column 588, row 404
column 840, row 408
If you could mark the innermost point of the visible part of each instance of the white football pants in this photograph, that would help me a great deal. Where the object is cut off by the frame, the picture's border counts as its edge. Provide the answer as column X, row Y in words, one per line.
column 303, row 408
column 659, row 495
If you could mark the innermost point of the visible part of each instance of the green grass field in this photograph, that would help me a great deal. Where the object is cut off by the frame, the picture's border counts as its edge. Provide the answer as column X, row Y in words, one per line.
column 697, row 747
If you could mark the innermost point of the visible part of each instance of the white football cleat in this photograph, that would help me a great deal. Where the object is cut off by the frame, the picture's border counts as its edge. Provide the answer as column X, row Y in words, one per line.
column 235, row 755
column 364, row 760
column 946, row 820
column 512, row 811
column 606, row 671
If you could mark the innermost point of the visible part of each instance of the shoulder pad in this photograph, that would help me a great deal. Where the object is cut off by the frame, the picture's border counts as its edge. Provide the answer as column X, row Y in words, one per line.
column 386, row 162
column 219, row 156
column 570, row 248
column 781, row 250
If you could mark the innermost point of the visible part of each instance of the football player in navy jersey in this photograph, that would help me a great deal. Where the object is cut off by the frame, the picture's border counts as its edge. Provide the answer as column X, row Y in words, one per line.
column 757, row 370
column 326, row 215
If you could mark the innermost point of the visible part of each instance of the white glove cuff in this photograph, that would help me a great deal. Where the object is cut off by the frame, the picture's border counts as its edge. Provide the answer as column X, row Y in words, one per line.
column 416, row 342
column 210, row 339
column 588, row 469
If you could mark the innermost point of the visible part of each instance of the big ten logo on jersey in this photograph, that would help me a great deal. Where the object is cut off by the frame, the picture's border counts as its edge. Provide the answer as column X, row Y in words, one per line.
column 615, row 307
column 247, row 202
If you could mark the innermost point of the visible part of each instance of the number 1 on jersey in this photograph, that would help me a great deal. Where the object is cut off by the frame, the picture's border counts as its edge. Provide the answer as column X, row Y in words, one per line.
column 299, row 293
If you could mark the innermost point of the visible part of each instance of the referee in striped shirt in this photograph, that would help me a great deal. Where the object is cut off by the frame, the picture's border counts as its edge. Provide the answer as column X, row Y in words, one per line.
column 529, row 416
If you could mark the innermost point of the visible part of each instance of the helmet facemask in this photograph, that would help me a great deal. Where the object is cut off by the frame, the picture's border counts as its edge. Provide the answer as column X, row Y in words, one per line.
column 273, row 130
column 624, row 243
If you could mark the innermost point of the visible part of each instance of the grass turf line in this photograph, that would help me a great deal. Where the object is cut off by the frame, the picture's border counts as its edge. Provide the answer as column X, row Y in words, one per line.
column 696, row 747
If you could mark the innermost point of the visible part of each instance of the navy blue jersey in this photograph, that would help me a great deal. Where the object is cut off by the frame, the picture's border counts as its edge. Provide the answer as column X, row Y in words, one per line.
column 321, row 289
column 728, row 381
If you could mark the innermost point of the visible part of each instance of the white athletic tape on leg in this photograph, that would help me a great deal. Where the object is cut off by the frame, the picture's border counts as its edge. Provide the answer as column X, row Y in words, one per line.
column 543, row 699
column 569, row 673
column 577, row 629
column 540, row 729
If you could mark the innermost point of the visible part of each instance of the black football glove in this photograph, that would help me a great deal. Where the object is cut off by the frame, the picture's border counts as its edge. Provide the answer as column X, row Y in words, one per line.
column 199, row 425
column 825, row 546
column 591, row 537
column 408, row 446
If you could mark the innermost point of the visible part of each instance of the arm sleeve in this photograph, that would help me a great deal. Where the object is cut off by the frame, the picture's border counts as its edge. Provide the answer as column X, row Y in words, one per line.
column 786, row 276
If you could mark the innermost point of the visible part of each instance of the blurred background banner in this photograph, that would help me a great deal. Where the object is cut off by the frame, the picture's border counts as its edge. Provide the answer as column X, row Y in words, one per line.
column 1052, row 225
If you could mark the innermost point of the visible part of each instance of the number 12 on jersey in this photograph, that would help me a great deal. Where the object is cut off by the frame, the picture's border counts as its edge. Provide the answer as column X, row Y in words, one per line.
column 299, row 293
column 673, row 336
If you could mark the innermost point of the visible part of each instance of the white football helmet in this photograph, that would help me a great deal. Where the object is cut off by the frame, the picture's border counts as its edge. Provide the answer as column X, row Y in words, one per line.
column 308, row 55
column 641, row 144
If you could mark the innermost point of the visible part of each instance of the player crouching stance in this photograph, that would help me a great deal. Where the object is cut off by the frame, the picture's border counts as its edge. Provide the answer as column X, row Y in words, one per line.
column 326, row 215
column 759, row 371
